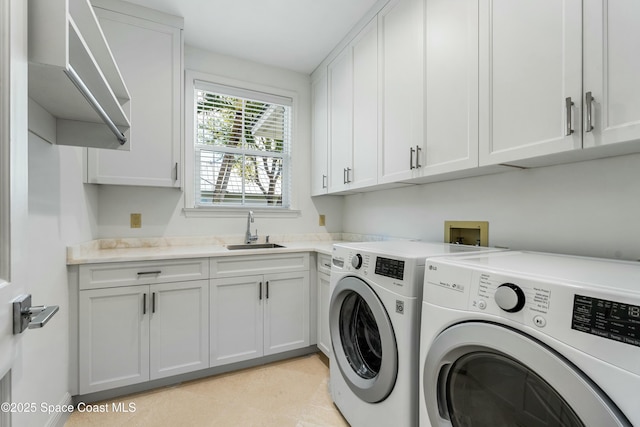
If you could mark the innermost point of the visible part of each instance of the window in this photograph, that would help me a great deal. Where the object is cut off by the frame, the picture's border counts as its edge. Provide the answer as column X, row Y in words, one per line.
column 242, row 143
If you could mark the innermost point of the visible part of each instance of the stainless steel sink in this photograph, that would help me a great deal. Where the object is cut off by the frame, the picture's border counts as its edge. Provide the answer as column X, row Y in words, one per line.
column 255, row 246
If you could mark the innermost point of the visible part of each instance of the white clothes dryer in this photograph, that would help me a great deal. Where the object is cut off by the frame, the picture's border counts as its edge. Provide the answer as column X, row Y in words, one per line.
column 374, row 319
column 530, row 339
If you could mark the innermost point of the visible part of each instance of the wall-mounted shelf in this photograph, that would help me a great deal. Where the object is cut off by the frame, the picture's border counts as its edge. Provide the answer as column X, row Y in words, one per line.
column 73, row 76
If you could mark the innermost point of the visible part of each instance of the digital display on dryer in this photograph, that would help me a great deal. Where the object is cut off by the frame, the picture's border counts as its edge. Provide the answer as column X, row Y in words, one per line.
column 390, row 268
column 613, row 320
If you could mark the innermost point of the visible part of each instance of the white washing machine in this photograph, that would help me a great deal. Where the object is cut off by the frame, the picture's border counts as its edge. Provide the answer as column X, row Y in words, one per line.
column 374, row 319
column 530, row 339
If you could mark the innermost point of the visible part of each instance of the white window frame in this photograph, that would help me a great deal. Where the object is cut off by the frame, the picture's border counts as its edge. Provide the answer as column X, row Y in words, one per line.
column 193, row 78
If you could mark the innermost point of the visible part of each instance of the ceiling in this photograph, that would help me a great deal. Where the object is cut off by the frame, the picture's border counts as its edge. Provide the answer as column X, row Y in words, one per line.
column 292, row 34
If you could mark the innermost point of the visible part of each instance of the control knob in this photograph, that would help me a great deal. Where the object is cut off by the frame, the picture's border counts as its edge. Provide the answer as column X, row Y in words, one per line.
column 510, row 297
column 356, row 261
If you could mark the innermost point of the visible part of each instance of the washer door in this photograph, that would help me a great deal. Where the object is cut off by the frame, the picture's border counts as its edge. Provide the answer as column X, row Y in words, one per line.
column 364, row 345
column 485, row 375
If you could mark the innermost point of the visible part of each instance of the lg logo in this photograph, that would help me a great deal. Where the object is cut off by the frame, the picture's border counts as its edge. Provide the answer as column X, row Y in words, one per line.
column 433, row 267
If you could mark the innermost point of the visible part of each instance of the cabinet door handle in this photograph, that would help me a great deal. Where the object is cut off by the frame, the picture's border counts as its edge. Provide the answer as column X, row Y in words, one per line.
column 589, row 106
column 153, row 302
column 348, row 175
column 411, row 151
column 144, row 303
column 568, row 104
column 344, row 175
column 144, row 273
column 260, row 291
column 267, row 293
column 418, row 150
column 324, row 181
column 176, row 171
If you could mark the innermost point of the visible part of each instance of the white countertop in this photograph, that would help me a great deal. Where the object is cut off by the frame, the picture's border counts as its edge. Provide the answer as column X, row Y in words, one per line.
column 98, row 252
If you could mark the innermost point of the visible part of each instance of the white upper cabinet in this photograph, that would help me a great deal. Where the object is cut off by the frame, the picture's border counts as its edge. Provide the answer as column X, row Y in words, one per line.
column 149, row 53
column 320, row 138
column 451, row 87
column 611, row 72
column 353, row 113
column 530, row 79
column 401, row 44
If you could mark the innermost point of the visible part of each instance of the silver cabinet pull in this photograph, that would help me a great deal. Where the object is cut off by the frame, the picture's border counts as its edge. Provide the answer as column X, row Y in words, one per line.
column 324, row 181
column 344, row 175
column 145, row 273
column 260, row 291
column 411, row 151
column 348, row 177
column 267, row 293
column 144, row 303
column 153, row 302
column 589, row 105
column 27, row 316
column 568, row 104
column 418, row 150
column 176, row 171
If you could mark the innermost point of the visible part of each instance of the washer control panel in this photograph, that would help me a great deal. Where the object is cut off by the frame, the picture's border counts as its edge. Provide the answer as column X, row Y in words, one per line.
column 613, row 320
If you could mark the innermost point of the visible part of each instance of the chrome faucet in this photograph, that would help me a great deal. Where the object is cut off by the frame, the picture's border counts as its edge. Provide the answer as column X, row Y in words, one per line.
column 249, row 238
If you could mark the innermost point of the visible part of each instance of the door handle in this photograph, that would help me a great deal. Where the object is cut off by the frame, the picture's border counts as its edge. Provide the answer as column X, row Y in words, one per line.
column 144, row 303
column 411, row 151
column 260, row 291
column 267, row 293
column 27, row 316
column 153, row 302
column 568, row 104
column 588, row 103
column 324, row 181
column 418, row 150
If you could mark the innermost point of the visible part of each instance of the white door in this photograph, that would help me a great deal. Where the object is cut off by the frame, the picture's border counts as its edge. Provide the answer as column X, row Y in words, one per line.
column 530, row 68
column 179, row 328
column 611, row 70
column 451, row 86
column 340, row 120
column 13, row 182
column 319, row 135
column 236, row 319
column 365, row 108
column 401, row 34
column 286, row 312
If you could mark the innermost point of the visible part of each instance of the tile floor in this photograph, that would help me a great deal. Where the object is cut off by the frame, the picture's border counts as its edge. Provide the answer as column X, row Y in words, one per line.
column 293, row 393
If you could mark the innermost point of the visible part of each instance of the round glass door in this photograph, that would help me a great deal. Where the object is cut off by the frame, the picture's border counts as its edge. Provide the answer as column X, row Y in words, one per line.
column 479, row 374
column 490, row 389
column 364, row 345
column 360, row 336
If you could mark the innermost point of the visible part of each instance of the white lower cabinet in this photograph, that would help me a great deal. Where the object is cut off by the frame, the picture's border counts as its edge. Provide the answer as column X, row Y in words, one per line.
column 254, row 316
column 141, row 321
column 324, row 297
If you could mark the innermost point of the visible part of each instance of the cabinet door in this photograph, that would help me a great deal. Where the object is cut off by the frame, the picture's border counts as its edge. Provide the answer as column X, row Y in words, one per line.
column 179, row 324
column 286, row 312
column 319, row 139
column 365, row 107
column 530, row 63
column 611, row 71
column 149, row 56
column 236, row 319
column 324, row 296
column 114, row 337
column 340, row 119
column 451, row 86
column 400, row 27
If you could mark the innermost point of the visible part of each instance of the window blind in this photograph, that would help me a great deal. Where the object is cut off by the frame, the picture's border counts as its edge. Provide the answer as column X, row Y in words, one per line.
column 242, row 147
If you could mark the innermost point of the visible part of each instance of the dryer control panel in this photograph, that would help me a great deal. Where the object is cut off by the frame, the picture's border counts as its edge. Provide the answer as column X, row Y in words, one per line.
column 613, row 320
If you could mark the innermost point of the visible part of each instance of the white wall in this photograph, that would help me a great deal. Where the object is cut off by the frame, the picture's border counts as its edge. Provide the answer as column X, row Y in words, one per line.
column 161, row 209
column 590, row 208
column 62, row 212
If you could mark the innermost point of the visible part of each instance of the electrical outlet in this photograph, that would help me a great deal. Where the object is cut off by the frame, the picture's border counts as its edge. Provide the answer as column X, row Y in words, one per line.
column 136, row 220
column 321, row 221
